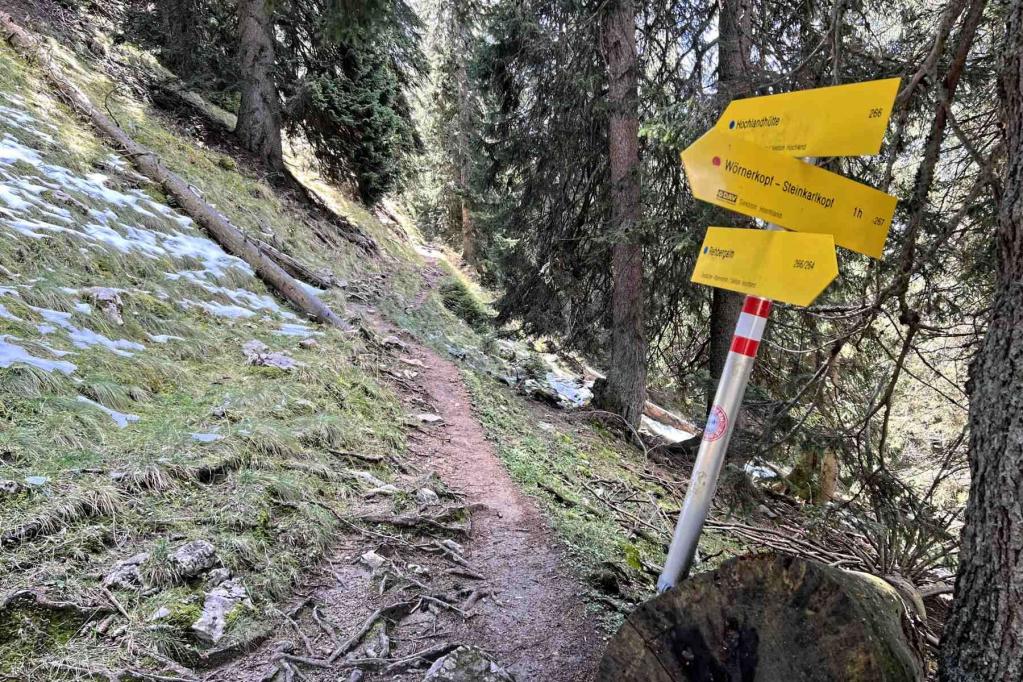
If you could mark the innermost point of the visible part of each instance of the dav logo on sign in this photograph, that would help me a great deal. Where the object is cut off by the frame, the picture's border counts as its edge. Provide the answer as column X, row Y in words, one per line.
column 727, row 196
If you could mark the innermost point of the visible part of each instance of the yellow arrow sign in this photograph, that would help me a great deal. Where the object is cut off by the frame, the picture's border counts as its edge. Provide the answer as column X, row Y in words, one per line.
column 738, row 175
column 782, row 266
column 844, row 120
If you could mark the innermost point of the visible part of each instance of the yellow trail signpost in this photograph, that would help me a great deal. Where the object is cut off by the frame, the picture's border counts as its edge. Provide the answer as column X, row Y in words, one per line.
column 745, row 164
column 843, row 120
column 782, row 266
column 746, row 178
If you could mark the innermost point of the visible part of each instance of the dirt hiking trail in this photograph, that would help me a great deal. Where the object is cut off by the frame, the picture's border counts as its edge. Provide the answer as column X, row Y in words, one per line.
column 506, row 590
column 541, row 630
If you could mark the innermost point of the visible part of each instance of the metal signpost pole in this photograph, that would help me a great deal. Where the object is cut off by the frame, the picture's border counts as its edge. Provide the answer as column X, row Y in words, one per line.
column 720, row 423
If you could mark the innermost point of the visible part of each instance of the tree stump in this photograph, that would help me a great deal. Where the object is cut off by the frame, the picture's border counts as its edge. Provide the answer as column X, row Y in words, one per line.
column 765, row 618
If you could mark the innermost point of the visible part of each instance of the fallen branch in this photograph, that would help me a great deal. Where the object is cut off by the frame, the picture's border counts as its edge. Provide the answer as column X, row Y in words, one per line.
column 172, row 88
column 113, row 600
column 936, row 589
column 296, row 268
column 146, row 161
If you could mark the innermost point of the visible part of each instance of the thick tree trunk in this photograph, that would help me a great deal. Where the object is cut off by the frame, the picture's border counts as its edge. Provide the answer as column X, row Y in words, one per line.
column 182, row 36
column 983, row 638
column 625, row 391
column 223, row 232
column 259, row 115
column 733, row 81
column 767, row 617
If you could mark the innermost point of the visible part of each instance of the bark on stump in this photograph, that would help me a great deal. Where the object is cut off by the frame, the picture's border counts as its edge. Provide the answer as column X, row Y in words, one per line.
column 766, row 618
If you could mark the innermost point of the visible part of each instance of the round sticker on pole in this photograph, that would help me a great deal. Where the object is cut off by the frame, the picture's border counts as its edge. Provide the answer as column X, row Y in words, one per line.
column 717, row 422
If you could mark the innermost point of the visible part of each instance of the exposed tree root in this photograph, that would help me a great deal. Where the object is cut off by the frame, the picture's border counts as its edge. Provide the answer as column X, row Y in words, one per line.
column 35, row 599
column 393, row 612
column 429, row 523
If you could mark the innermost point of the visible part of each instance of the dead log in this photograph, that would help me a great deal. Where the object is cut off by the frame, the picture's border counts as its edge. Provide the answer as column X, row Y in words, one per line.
column 296, row 268
column 173, row 89
column 216, row 224
column 767, row 617
column 659, row 414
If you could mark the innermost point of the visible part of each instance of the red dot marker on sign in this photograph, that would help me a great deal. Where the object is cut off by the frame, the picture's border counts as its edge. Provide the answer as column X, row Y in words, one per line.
column 716, row 160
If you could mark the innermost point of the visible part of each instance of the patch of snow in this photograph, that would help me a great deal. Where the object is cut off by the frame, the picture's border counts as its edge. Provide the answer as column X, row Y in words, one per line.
column 294, row 329
column 6, row 314
column 241, row 297
column 164, row 338
column 758, row 472
column 11, row 199
column 12, row 151
column 120, row 418
column 29, row 227
column 219, row 309
column 570, row 390
column 57, row 353
column 213, row 257
column 11, row 353
column 665, row 431
column 206, row 437
column 29, row 211
column 82, row 337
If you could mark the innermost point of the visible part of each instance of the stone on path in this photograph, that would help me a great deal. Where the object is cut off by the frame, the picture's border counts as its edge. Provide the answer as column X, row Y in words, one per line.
column 220, row 602
column 466, row 664
column 193, row 558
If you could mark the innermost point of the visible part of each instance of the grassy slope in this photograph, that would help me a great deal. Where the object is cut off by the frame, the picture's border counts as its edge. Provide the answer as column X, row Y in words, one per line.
column 113, row 492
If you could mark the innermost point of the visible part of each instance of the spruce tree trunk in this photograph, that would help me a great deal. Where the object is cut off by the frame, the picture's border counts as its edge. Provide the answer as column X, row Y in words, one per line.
column 470, row 248
column 983, row 638
column 625, row 391
column 181, row 21
column 259, row 115
column 733, row 81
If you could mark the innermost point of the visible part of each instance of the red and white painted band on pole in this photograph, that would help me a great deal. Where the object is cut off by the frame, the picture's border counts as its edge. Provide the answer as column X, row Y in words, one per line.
column 749, row 330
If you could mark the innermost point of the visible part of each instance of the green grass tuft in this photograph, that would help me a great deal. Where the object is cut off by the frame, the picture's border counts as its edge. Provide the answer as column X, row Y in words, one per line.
column 462, row 302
